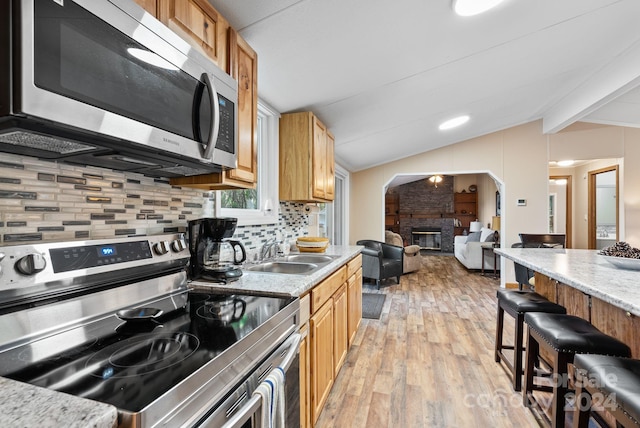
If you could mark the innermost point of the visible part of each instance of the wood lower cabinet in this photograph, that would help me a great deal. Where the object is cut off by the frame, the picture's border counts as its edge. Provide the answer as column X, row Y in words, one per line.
column 322, row 367
column 340, row 332
column 335, row 307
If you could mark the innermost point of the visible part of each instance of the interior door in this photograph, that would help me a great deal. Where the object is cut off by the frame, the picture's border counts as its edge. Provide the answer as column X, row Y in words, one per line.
column 603, row 207
column 560, row 206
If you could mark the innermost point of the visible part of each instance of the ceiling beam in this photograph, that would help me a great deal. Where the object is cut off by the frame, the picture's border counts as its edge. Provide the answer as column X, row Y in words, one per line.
column 616, row 78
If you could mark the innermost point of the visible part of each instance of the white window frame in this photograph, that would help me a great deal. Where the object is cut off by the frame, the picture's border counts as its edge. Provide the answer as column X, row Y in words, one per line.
column 268, row 169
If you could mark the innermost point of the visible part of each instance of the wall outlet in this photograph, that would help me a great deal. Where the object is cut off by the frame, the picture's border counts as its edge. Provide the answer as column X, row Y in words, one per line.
column 521, row 202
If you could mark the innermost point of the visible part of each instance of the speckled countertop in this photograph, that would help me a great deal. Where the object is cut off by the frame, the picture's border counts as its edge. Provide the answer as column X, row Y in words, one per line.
column 283, row 284
column 584, row 270
column 24, row 405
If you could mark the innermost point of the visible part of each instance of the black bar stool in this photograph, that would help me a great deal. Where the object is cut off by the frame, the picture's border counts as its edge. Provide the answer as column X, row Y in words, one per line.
column 517, row 303
column 563, row 336
column 614, row 381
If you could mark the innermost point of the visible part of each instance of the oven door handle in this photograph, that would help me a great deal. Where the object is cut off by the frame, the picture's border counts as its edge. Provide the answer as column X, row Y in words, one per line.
column 244, row 414
column 293, row 345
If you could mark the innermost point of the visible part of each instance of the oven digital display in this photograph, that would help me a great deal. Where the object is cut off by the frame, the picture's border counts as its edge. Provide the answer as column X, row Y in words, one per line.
column 83, row 257
column 107, row 251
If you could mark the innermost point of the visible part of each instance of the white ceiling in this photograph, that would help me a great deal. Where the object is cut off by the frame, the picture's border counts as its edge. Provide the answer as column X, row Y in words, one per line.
column 382, row 75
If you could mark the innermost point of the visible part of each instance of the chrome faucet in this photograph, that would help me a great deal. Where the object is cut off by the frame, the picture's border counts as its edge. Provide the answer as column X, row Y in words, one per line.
column 269, row 249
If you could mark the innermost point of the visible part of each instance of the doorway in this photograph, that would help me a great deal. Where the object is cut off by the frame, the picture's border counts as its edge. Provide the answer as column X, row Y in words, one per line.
column 560, row 206
column 603, row 207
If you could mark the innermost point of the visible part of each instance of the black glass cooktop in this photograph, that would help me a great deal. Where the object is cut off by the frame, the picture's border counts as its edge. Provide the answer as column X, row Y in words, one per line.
column 131, row 363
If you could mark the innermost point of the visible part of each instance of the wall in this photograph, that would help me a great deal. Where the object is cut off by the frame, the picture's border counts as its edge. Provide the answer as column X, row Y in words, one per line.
column 47, row 201
column 518, row 157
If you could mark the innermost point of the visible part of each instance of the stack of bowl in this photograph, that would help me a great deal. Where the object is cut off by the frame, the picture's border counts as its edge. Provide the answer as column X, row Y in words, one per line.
column 312, row 244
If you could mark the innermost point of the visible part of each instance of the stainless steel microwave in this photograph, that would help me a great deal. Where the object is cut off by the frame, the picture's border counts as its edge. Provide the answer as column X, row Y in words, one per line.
column 103, row 83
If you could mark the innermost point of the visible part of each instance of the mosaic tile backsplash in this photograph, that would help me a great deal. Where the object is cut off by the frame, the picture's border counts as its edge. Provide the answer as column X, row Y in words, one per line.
column 48, row 201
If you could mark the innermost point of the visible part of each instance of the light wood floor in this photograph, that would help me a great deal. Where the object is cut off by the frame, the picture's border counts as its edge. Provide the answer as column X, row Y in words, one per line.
column 428, row 362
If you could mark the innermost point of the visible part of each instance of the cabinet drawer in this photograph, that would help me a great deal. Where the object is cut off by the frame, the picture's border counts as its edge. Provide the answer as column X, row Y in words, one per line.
column 323, row 291
column 353, row 265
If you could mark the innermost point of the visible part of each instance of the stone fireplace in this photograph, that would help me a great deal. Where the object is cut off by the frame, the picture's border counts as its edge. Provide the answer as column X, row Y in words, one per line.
column 425, row 207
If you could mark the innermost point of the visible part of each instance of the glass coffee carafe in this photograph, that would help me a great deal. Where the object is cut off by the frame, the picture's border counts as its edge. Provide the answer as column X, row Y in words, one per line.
column 214, row 256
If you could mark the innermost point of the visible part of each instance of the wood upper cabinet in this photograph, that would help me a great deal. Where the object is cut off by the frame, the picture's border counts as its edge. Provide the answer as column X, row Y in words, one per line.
column 202, row 26
column 199, row 24
column 243, row 66
column 150, row 6
column 330, row 176
column 307, row 166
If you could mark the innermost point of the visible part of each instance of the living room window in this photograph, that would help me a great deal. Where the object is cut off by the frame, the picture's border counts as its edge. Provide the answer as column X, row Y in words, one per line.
column 259, row 205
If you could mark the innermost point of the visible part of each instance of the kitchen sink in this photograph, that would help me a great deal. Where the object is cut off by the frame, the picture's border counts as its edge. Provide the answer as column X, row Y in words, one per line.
column 283, row 267
column 295, row 264
column 309, row 258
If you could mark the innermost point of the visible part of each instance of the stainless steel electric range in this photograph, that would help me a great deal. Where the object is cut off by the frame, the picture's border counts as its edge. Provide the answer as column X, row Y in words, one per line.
column 114, row 321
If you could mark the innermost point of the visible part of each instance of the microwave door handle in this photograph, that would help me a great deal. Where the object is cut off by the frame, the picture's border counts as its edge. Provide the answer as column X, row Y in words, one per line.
column 215, row 117
column 244, row 414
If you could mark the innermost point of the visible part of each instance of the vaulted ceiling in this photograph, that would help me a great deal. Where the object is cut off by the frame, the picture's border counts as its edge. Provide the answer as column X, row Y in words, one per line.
column 382, row 75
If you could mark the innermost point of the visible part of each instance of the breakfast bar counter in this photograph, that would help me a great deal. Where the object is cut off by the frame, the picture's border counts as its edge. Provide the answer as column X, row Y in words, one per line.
column 587, row 285
column 584, row 270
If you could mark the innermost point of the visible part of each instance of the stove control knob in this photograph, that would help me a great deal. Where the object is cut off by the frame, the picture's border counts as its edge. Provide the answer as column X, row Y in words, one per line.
column 178, row 245
column 161, row 248
column 31, row 264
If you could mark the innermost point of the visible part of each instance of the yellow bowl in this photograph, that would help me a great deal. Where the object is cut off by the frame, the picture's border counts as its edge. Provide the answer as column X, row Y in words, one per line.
column 312, row 239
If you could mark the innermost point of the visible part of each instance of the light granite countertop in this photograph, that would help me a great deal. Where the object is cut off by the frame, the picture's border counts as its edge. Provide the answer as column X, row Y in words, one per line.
column 25, row 405
column 584, row 270
column 283, row 284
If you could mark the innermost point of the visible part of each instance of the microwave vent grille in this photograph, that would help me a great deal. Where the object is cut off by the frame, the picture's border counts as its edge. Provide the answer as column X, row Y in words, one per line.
column 44, row 142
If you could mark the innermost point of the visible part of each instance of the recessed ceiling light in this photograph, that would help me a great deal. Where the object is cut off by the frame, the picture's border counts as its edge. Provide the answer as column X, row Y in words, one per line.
column 452, row 123
column 565, row 162
column 473, row 7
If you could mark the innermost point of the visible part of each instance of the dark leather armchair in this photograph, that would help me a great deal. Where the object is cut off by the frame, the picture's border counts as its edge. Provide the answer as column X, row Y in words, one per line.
column 380, row 260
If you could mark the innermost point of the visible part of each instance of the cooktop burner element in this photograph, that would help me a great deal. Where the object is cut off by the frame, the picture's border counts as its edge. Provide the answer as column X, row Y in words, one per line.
column 141, row 355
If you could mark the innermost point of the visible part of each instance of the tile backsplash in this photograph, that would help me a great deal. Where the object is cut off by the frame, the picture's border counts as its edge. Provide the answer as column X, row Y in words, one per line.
column 50, row 201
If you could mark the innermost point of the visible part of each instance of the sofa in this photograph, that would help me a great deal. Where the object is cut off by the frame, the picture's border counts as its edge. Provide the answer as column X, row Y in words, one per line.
column 468, row 249
column 411, row 260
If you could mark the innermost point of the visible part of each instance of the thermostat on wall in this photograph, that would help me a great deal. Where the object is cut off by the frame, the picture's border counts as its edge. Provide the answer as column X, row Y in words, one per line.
column 522, row 202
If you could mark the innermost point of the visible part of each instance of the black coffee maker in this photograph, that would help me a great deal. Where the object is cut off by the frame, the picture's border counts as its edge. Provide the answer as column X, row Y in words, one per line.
column 214, row 257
